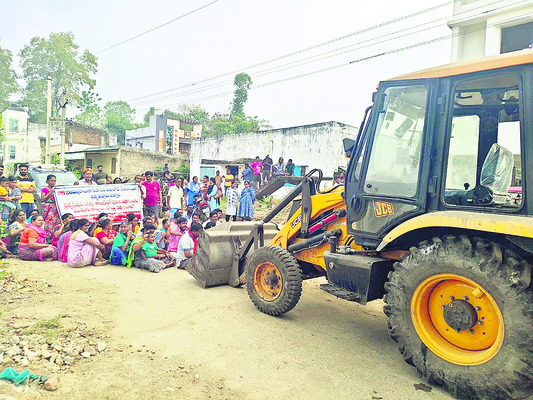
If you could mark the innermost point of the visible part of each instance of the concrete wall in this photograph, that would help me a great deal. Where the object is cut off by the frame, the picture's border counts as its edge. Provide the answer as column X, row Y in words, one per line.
column 317, row 145
column 135, row 161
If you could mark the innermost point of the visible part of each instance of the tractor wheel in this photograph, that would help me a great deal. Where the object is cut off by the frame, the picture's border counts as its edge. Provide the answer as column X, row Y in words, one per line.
column 273, row 280
column 461, row 311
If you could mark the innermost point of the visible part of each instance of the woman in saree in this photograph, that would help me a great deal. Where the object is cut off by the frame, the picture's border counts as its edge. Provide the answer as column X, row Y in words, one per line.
column 192, row 189
column 106, row 236
column 84, row 250
column 64, row 240
column 246, row 210
column 18, row 224
column 50, row 213
column 211, row 191
column 33, row 246
column 61, row 228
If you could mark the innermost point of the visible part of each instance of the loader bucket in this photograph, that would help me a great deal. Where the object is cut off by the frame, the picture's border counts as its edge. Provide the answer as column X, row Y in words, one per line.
column 216, row 261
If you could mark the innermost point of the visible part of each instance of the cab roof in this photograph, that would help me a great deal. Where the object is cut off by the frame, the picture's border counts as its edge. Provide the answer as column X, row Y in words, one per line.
column 475, row 65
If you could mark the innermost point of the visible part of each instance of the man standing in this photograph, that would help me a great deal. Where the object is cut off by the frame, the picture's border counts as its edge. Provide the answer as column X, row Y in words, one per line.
column 228, row 179
column 26, row 184
column 187, row 245
column 256, row 165
column 267, row 169
column 138, row 181
column 87, row 176
column 175, row 196
column 154, row 198
column 218, row 179
column 101, row 177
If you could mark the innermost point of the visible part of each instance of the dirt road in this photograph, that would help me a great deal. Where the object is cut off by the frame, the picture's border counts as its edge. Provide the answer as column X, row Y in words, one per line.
column 168, row 338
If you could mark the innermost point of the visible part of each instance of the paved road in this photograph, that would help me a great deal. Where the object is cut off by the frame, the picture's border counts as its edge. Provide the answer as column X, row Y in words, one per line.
column 325, row 348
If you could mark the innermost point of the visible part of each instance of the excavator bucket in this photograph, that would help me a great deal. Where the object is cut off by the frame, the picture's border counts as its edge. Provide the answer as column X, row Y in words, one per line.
column 216, row 261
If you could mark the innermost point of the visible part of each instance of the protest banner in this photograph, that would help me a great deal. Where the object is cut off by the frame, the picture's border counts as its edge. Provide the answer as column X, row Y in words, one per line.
column 89, row 201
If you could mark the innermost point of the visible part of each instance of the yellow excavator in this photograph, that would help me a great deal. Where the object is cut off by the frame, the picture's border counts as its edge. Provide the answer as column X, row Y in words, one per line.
column 433, row 217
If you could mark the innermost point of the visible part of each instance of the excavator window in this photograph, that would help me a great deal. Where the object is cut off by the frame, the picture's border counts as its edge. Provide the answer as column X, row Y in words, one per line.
column 394, row 164
column 484, row 154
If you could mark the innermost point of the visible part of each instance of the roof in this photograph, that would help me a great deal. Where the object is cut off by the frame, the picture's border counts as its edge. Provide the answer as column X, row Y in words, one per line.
column 475, row 65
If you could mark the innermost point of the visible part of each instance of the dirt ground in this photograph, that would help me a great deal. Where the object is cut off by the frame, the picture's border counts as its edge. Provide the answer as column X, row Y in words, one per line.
column 168, row 338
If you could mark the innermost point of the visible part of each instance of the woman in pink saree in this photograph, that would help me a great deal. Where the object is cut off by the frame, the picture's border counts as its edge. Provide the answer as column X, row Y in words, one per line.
column 32, row 246
column 84, row 250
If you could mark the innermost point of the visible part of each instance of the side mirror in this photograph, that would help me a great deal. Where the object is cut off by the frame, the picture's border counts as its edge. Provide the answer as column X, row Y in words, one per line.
column 348, row 145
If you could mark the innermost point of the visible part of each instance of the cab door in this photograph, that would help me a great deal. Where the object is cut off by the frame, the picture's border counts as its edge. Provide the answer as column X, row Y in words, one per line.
column 388, row 177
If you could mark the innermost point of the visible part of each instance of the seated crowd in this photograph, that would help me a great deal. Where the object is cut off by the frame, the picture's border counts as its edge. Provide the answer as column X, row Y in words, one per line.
column 79, row 243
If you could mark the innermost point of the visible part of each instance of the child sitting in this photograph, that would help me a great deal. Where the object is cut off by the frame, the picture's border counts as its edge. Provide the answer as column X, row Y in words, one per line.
column 162, row 235
column 150, row 250
column 5, row 201
column 121, row 244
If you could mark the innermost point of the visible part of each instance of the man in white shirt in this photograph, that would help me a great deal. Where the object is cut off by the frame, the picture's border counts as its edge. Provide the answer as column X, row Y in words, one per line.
column 175, row 196
column 187, row 245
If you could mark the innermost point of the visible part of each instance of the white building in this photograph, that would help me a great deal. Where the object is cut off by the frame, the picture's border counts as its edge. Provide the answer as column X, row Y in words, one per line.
column 485, row 27
column 165, row 135
column 23, row 139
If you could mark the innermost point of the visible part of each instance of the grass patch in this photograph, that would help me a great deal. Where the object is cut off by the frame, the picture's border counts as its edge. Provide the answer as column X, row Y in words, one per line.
column 48, row 327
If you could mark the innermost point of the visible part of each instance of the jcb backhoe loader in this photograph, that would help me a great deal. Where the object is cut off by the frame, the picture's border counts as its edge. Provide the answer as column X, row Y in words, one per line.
column 435, row 217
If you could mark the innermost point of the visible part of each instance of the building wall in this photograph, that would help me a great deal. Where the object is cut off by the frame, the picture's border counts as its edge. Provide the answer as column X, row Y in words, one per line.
column 317, row 145
column 477, row 25
column 135, row 161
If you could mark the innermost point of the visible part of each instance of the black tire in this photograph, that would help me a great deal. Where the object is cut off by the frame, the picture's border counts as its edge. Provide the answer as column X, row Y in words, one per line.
column 291, row 280
column 506, row 277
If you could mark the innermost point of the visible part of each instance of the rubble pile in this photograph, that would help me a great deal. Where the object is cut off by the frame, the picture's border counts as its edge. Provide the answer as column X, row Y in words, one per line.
column 48, row 350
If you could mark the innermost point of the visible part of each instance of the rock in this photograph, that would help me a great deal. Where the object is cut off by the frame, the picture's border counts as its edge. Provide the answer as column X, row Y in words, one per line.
column 70, row 351
column 13, row 351
column 53, row 357
column 86, row 354
column 17, row 358
column 46, row 354
column 15, row 340
column 56, row 346
column 31, row 355
column 1, row 358
column 68, row 360
column 101, row 346
column 181, row 366
column 23, row 344
column 59, row 360
column 220, row 387
column 24, row 362
column 51, row 383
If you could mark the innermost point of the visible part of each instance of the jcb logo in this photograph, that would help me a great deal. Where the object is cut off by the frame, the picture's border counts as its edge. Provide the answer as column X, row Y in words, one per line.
column 383, row 209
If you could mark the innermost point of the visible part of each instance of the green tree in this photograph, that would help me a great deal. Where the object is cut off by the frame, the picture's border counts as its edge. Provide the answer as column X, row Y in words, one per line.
column 58, row 57
column 242, row 83
column 91, row 112
column 118, row 117
column 8, row 78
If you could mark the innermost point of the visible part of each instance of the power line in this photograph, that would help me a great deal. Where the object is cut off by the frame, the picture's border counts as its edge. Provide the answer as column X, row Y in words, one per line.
column 311, row 59
column 157, row 27
column 365, row 30
column 377, row 55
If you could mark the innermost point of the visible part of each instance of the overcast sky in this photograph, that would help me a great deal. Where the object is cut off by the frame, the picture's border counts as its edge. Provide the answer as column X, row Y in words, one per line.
column 232, row 35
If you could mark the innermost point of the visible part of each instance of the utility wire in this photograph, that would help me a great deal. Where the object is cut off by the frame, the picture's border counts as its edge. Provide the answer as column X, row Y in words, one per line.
column 303, row 75
column 157, row 27
column 365, row 30
column 311, row 59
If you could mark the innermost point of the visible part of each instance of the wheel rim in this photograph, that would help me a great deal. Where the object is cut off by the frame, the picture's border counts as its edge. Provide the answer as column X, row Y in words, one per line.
column 267, row 281
column 457, row 319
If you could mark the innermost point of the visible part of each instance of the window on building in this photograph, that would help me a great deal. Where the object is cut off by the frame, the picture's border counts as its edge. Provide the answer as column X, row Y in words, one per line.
column 12, row 152
column 516, row 37
column 113, row 165
column 13, row 125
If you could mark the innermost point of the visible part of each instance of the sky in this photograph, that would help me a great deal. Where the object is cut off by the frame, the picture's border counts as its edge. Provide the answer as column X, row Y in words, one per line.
column 200, row 53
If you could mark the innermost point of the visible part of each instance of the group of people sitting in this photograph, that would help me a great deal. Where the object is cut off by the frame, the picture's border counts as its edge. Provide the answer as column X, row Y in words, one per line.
column 80, row 243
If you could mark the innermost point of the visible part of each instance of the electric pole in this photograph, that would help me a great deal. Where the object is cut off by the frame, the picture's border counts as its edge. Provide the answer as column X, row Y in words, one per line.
column 63, row 103
column 48, row 120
